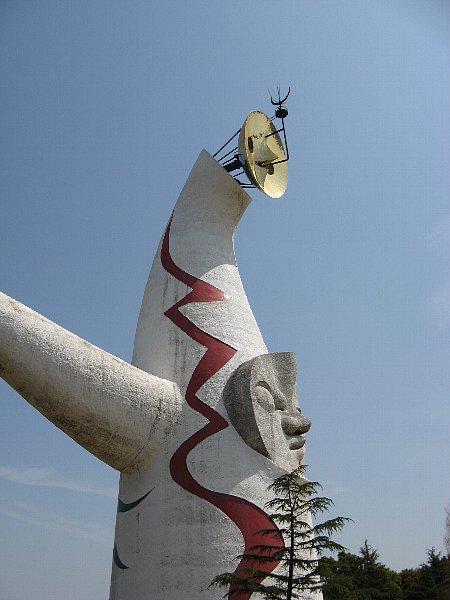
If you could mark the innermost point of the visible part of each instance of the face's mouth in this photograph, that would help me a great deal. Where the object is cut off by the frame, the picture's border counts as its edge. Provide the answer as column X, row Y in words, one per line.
column 297, row 442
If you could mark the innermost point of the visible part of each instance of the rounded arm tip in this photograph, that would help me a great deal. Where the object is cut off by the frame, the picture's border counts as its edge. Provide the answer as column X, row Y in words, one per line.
column 118, row 412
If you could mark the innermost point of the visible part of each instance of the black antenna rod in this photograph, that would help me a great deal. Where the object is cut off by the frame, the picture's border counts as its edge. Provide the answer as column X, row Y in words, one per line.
column 281, row 113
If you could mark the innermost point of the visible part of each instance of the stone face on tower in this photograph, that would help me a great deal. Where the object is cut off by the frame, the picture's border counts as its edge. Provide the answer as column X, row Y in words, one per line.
column 204, row 420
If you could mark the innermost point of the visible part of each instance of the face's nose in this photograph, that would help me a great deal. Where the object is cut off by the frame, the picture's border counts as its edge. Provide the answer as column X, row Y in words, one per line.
column 295, row 424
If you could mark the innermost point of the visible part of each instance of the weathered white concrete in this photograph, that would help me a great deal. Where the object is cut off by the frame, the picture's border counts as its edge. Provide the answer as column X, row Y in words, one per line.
column 184, row 541
column 192, row 487
column 175, row 540
column 119, row 413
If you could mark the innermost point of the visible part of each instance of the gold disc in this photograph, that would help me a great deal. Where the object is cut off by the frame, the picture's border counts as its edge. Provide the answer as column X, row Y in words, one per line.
column 260, row 149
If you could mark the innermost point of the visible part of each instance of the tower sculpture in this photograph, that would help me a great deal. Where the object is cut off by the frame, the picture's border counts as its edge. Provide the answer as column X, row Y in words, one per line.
column 200, row 423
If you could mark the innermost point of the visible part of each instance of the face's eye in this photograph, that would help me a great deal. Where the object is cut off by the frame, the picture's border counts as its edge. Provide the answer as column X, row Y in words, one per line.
column 264, row 397
column 267, row 399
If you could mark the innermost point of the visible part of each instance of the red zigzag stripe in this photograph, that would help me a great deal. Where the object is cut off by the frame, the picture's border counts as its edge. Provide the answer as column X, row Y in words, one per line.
column 250, row 519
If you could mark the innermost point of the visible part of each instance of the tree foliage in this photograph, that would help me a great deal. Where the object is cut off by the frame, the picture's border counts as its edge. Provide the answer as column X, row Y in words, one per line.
column 303, row 567
column 447, row 530
column 431, row 581
column 294, row 503
column 359, row 577
column 363, row 577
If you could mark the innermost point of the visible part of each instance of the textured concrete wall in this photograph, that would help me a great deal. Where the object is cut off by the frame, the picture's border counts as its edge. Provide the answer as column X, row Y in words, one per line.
column 193, row 486
column 183, row 538
column 114, row 410
column 195, row 328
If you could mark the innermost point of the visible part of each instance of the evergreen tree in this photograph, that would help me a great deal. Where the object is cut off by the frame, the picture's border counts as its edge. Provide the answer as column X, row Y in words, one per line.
column 430, row 582
column 361, row 577
column 294, row 501
column 339, row 578
column 447, row 530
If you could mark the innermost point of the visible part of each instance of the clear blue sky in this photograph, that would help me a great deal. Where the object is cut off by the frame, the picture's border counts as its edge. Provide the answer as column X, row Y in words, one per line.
column 104, row 108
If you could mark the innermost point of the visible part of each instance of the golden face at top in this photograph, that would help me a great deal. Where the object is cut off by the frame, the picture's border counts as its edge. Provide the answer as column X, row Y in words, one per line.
column 262, row 154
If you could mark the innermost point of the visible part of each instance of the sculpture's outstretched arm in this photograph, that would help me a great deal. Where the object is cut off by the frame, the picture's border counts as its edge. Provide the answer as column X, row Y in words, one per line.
column 116, row 411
